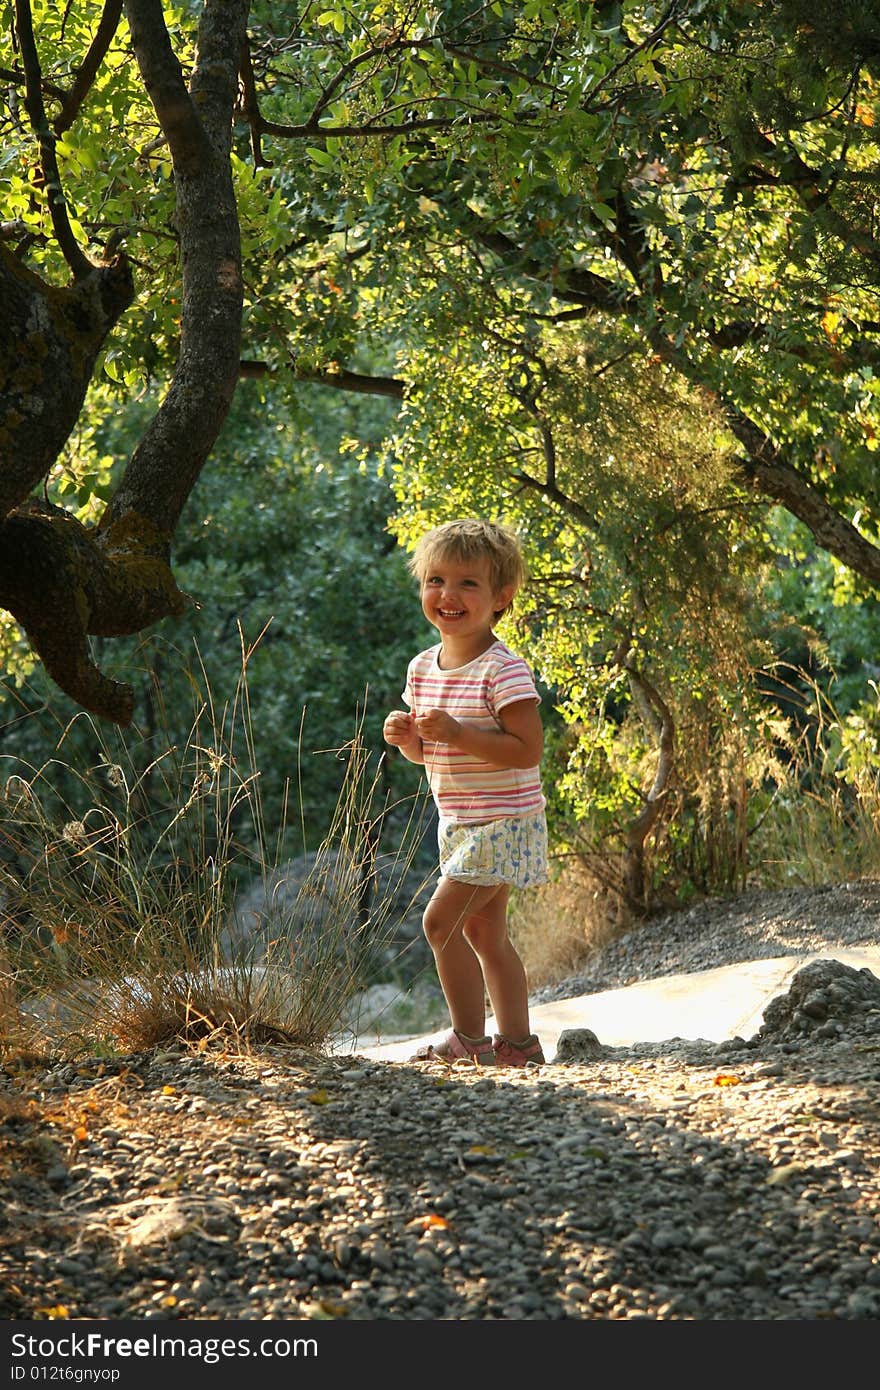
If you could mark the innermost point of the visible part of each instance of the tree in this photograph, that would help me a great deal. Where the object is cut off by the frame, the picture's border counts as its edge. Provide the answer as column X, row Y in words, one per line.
column 640, row 612
column 63, row 581
column 354, row 183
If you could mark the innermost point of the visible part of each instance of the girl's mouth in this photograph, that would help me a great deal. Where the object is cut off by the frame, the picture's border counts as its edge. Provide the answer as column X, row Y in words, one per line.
column 451, row 613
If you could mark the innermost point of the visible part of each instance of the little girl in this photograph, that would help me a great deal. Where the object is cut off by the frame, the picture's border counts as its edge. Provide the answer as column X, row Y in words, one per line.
column 473, row 721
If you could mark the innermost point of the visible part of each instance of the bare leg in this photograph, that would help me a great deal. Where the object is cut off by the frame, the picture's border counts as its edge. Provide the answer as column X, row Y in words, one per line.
column 502, row 969
column 461, row 977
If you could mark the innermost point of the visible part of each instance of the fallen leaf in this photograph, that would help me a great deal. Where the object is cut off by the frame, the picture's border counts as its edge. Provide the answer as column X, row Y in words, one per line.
column 319, row 1097
column 168, row 1091
column 318, row 1311
column 333, row 1308
column 725, row 1078
column 784, row 1172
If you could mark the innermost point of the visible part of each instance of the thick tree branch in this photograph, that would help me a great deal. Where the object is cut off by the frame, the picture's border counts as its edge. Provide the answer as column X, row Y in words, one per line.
column 340, row 380
column 250, row 107
column 562, row 500
column 88, row 69
column 61, row 586
column 770, row 475
column 765, row 471
column 49, row 341
column 198, row 126
column 165, row 85
column 792, row 171
column 371, row 128
column 70, row 248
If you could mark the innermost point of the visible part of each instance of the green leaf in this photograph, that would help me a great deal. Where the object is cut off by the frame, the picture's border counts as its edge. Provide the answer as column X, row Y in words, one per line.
column 321, row 157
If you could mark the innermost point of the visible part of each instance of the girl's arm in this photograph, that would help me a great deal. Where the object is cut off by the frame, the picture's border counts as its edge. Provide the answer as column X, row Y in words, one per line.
column 518, row 743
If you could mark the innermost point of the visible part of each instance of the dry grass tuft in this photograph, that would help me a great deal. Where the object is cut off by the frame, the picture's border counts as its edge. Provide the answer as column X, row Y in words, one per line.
column 116, row 898
column 557, row 927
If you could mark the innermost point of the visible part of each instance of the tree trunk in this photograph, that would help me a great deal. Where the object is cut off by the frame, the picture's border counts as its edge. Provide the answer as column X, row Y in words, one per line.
column 198, row 126
column 60, row 580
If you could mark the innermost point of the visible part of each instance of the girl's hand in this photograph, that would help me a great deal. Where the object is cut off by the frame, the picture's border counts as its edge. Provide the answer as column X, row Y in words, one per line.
column 399, row 728
column 437, row 726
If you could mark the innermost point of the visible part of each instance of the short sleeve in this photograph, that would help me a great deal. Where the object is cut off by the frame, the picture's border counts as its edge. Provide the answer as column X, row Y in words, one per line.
column 406, row 694
column 512, row 681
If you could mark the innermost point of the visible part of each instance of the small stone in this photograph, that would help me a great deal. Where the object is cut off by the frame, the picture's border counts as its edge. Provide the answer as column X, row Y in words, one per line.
column 863, row 1303
column 426, row 1262
column 578, row 1293
column 770, row 1069
column 342, row 1253
column 668, row 1238
column 381, row 1258
column 816, row 1005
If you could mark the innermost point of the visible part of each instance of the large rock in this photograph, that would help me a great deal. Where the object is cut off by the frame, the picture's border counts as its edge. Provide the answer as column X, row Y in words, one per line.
column 578, row 1045
column 326, row 904
column 824, row 998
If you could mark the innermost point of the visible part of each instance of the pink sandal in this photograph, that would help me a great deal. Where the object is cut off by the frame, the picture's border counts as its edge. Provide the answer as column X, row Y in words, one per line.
column 457, row 1047
column 510, row 1054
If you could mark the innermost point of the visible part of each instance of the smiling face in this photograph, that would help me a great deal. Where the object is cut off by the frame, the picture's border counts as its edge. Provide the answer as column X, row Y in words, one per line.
column 458, row 599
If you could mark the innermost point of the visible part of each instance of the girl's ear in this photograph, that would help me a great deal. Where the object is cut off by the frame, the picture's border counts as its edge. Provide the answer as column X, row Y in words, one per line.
column 504, row 598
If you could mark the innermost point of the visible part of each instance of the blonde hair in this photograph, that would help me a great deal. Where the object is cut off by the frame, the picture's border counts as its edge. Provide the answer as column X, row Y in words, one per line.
column 471, row 539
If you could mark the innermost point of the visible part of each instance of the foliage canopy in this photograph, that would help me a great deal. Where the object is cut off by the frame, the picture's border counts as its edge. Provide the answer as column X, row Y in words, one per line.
column 615, row 262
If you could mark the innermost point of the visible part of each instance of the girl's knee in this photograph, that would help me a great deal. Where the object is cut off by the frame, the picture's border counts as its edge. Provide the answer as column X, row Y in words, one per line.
column 435, row 925
column 486, row 937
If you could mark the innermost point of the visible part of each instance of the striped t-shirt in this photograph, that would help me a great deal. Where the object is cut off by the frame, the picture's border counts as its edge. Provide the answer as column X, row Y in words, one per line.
column 464, row 787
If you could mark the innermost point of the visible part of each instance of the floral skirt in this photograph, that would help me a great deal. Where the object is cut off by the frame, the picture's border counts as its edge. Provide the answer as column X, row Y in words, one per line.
column 510, row 851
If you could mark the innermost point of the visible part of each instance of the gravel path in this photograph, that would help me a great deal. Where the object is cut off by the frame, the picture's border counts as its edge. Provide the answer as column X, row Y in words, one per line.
column 664, row 1181
column 752, row 926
